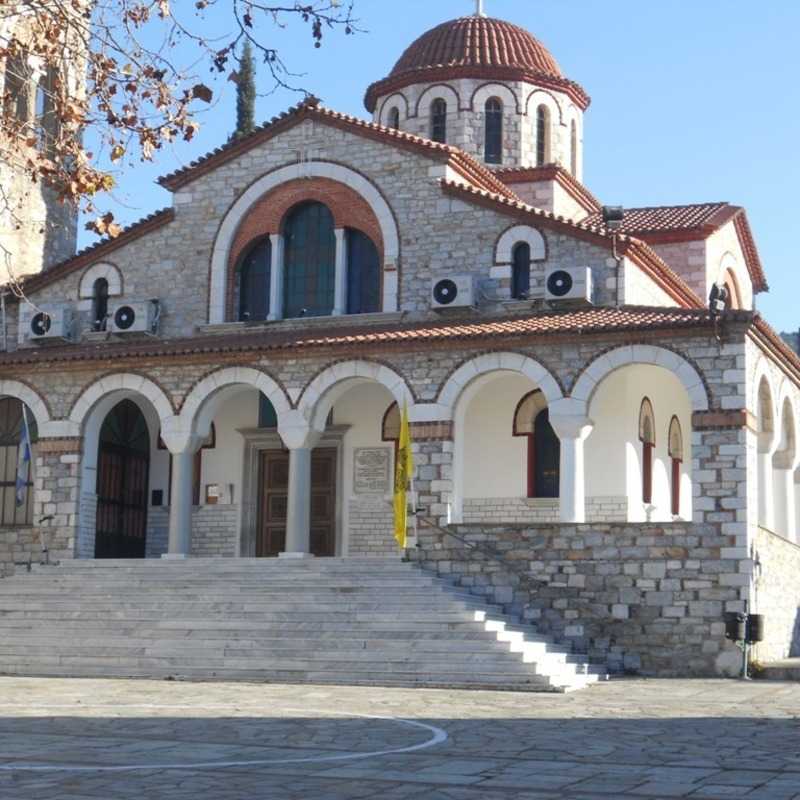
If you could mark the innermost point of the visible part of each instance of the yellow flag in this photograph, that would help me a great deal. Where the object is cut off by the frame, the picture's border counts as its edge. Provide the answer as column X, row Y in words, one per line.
column 403, row 470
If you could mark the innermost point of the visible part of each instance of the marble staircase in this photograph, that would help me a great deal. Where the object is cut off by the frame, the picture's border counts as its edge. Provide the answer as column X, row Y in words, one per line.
column 344, row 621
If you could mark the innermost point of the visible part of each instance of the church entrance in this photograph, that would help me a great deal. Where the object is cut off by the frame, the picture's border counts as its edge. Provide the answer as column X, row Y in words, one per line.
column 123, row 466
column 274, row 496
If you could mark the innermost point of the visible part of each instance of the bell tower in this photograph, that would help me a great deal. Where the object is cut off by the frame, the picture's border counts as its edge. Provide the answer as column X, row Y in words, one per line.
column 37, row 229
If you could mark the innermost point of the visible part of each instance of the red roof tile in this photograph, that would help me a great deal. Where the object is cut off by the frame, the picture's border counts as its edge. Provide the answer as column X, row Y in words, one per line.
column 461, row 162
column 468, row 330
column 665, row 224
column 479, row 47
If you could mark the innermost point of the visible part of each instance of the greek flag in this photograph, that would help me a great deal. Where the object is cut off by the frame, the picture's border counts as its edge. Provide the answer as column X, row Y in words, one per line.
column 23, row 459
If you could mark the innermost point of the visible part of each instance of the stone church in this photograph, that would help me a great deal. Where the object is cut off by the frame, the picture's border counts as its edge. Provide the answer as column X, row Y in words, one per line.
column 225, row 378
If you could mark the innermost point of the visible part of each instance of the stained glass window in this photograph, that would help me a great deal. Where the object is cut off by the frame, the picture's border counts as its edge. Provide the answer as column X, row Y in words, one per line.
column 310, row 262
column 254, row 280
column 363, row 274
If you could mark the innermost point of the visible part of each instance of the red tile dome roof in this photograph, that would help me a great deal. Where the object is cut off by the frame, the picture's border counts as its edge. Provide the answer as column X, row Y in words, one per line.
column 475, row 47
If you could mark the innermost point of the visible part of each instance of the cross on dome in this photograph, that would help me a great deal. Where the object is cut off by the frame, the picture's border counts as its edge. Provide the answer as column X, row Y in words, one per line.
column 479, row 12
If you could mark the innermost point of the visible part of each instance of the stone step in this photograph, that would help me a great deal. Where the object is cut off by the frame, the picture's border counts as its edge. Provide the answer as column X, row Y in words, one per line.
column 365, row 621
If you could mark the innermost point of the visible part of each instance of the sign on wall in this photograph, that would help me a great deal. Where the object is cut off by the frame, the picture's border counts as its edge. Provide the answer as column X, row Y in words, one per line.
column 372, row 470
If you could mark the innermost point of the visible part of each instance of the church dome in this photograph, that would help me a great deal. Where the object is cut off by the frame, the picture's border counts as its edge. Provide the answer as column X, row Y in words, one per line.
column 475, row 47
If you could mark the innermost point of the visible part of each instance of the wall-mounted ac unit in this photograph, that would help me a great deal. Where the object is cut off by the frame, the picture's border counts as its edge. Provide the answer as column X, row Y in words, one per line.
column 569, row 283
column 134, row 316
column 47, row 322
column 456, row 291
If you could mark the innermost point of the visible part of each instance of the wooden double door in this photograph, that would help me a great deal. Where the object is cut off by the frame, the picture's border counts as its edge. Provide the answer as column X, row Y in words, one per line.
column 274, row 501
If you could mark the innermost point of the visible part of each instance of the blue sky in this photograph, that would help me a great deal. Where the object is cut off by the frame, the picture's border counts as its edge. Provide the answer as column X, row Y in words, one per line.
column 692, row 101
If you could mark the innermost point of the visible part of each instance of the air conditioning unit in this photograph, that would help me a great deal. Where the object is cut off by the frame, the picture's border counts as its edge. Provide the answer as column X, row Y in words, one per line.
column 134, row 316
column 47, row 322
column 457, row 291
column 569, row 283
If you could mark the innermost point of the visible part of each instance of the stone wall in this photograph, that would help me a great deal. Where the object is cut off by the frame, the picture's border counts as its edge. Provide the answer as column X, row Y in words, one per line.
column 215, row 531
column 526, row 510
column 776, row 595
column 647, row 599
column 157, row 542
column 371, row 527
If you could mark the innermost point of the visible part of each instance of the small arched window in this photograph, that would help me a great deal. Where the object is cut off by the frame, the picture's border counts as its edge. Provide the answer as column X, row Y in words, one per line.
column 733, row 300
column 99, row 304
column 439, row 120
column 542, row 135
column 647, row 436
column 532, row 420
column 310, row 262
column 494, row 131
column 394, row 118
column 521, row 271
column 17, row 501
column 573, row 148
column 363, row 274
column 676, row 459
column 254, row 282
column 45, row 109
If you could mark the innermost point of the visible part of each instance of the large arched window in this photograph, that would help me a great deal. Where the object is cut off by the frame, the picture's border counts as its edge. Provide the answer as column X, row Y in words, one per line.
column 439, row 120
column 542, row 135
column 676, row 459
column 254, row 281
column 494, row 131
column 394, row 118
column 99, row 304
column 647, row 436
column 363, row 274
column 573, row 148
column 521, row 271
column 17, row 502
column 532, row 420
column 310, row 262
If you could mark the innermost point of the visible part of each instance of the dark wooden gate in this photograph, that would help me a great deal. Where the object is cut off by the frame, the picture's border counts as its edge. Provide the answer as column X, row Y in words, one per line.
column 123, row 466
column 274, row 496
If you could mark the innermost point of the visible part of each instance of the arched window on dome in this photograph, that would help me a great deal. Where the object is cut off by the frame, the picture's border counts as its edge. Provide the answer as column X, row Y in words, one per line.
column 254, row 280
column 12, row 513
column 439, row 120
column 494, row 131
column 363, row 274
column 676, row 459
column 647, row 436
column 99, row 304
column 394, row 118
column 309, row 262
column 573, row 148
column 532, row 420
column 542, row 135
column 521, row 271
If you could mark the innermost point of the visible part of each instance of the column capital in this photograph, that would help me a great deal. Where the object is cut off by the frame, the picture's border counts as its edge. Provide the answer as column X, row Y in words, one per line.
column 571, row 427
column 297, row 432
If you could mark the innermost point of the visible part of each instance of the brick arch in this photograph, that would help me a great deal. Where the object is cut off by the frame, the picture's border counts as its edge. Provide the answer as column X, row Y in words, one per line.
column 267, row 216
column 307, row 173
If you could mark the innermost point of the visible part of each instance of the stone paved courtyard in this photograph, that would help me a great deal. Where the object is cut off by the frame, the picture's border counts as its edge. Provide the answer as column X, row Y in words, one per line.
column 114, row 740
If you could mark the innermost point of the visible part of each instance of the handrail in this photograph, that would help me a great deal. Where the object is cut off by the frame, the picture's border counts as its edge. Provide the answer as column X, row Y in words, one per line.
column 487, row 550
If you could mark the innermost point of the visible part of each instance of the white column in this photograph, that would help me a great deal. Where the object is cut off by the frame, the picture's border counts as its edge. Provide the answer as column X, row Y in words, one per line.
column 766, row 495
column 276, row 277
column 300, row 439
column 180, row 509
column 340, row 280
column 572, row 432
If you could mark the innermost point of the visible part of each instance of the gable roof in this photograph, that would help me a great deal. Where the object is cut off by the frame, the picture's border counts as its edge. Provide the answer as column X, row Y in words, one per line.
column 95, row 252
column 639, row 252
column 462, row 163
column 551, row 172
column 269, row 338
column 686, row 223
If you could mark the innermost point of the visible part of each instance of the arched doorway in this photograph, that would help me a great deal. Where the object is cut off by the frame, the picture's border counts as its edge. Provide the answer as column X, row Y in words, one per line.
column 123, row 466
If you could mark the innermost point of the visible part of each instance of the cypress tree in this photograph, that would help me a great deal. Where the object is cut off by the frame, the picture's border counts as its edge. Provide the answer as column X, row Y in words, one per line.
column 245, row 93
